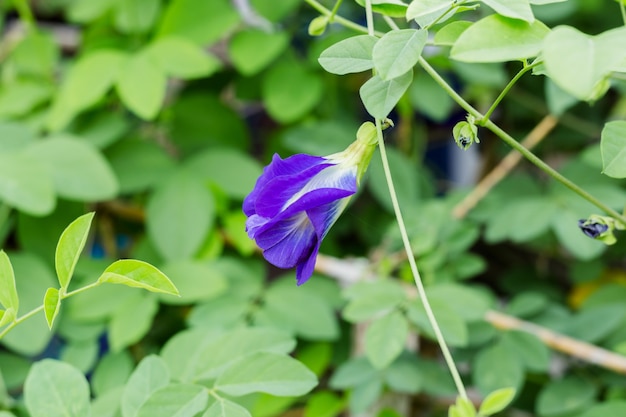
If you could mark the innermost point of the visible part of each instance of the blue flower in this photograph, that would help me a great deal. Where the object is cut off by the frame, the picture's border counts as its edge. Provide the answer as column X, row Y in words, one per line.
column 296, row 201
column 592, row 229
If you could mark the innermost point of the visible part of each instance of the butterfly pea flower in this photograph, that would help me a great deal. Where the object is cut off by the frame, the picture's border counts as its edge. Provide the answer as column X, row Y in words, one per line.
column 296, row 201
column 600, row 228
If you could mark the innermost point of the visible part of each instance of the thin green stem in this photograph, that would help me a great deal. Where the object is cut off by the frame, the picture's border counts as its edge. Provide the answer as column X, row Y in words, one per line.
column 416, row 275
column 517, row 146
column 504, row 92
column 369, row 16
column 405, row 237
column 622, row 9
column 393, row 25
column 336, row 18
column 25, row 13
column 334, row 11
column 36, row 310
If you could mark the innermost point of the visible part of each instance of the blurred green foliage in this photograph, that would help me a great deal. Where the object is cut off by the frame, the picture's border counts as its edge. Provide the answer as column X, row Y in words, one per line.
column 159, row 115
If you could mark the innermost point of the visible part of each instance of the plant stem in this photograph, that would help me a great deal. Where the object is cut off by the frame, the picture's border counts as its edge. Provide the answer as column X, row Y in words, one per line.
column 36, row 310
column 405, row 237
column 331, row 17
column 336, row 18
column 504, row 92
column 416, row 275
column 25, row 13
column 622, row 9
column 517, row 146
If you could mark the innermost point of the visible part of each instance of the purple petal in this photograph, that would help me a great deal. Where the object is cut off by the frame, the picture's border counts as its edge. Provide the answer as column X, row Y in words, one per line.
column 278, row 167
column 288, row 242
column 274, row 196
column 283, row 192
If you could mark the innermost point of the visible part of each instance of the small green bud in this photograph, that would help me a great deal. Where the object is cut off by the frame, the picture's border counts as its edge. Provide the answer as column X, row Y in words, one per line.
column 317, row 27
column 600, row 228
column 466, row 133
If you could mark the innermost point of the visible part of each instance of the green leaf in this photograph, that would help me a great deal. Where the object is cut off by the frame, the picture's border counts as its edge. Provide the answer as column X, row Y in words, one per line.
column 426, row 12
column 150, row 375
column 307, row 315
column 324, row 404
column 352, row 373
column 134, row 273
column 406, row 178
column 141, row 86
column 272, row 373
column 181, row 58
column 238, row 344
column 87, row 11
column 565, row 396
column 7, row 316
column 139, row 165
column 81, row 354
column 472, row 305
column 451, row 323
column 234, row 172
column 70, row 246
column 578, row 63
column 107, row 405
column 180, row 400
column 56, row 389
column 368, row 299
column 33, row 278
column 180, row 214
column 497, row 38
column 349, row 55
column 51, row 305
column 195, row 281
column 533, row 353
column 404, row 375
column 226, row 408
column 398, row 51
column 22, row 96
column 8, row 290
column 198, row 20
column 496, row 401
column 448, row 35
column 392, row 8
column 252, row 50
column 516, row 9
column 612, row 408
column 497, row 367
column 290, row 90
column 593, row 324
column 132, row 320
column 380, row 97
column 136, row 16
column 385, row 339
column 613, row 148
column 78, row 170
column 86, row 83
column 25, row 184
column 112, row 371
column 527, row 304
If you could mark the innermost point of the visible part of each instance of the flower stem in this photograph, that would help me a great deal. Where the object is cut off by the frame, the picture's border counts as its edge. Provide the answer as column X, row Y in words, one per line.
column 504, row 92
column 622, row 9
column 416, row 275
column 25, row 13
column 333, row 12
column 517, row 146
column 405, row 238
